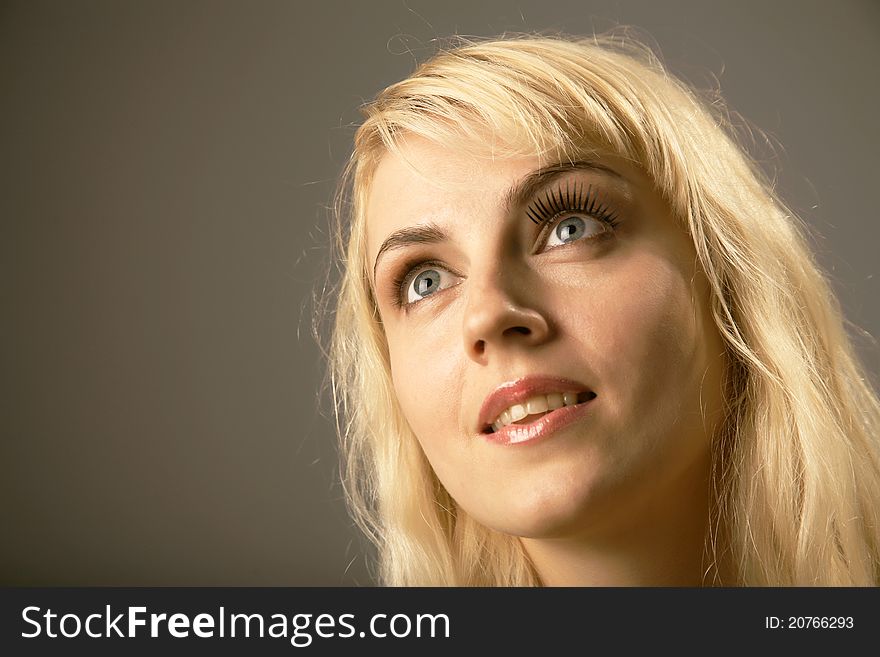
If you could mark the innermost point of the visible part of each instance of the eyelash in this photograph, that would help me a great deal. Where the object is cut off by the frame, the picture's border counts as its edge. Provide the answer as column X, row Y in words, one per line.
column 558, row 202
column 543, row 212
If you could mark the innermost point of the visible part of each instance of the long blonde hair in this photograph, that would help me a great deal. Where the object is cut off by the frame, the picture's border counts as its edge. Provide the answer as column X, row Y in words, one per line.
column 796, row 472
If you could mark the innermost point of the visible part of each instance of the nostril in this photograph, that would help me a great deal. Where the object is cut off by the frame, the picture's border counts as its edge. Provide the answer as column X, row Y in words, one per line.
column 522, row 330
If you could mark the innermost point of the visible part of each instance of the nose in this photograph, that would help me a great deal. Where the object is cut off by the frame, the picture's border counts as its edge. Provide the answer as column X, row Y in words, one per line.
column 500, row 315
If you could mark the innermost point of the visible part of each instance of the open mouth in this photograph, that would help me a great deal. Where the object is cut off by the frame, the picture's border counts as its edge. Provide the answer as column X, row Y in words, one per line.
column 536, row 407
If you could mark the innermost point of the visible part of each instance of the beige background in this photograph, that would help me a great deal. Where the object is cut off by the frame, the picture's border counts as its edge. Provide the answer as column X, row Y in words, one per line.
column 164, row 169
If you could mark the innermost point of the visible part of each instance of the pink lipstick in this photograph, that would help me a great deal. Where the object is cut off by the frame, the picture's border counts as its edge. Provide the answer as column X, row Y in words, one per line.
column 532, row 407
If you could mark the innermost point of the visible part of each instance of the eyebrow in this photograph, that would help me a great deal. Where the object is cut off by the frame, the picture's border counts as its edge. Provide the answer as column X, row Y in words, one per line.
column 429, row 233
column 514, row 197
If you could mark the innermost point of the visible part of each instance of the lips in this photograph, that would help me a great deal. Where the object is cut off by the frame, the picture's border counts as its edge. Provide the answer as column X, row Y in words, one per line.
column 505, row 406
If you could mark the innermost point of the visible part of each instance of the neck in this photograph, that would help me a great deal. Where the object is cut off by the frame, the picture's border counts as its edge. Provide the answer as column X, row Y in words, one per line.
column 661, row 541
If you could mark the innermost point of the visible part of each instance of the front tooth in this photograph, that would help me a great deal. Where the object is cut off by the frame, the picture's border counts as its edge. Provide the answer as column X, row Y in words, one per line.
column 537, row 405
column 517, row 412
column 533, row 406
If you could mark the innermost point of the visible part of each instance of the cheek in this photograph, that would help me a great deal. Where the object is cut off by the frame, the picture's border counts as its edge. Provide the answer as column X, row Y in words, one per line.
column 660, row 330
column 427, row 375
column 427, row 372
column 648, row 341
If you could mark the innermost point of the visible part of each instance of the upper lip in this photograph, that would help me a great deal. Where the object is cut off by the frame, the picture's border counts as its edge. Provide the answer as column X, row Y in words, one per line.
column 518, row 391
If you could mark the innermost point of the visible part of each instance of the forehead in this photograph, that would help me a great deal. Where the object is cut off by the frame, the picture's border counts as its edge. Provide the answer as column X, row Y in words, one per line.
column 426, row 182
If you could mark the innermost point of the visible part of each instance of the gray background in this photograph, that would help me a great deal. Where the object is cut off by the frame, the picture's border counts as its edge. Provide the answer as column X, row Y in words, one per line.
column 164, row 169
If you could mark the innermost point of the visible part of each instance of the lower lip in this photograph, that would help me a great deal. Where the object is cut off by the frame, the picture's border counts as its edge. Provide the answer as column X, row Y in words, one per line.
column 543, row 427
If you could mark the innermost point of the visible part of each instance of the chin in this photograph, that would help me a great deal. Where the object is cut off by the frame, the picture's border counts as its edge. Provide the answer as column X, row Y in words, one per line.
column 550, row 511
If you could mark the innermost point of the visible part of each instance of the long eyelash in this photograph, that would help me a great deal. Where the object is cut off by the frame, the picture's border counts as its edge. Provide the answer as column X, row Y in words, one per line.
column 573, row 198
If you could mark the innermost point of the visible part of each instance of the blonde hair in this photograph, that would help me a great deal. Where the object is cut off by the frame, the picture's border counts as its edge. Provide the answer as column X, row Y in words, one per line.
column 796, row 472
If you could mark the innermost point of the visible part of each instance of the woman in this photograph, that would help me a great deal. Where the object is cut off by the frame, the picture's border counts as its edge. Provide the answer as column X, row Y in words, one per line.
column 578, row 341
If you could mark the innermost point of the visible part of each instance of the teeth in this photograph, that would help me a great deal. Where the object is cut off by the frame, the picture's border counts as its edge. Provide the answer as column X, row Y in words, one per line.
column 517, row 412
column 537, row 405
column 533, row 406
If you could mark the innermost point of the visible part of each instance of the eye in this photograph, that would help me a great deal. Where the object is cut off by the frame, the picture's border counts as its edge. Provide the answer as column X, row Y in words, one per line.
column 425, row 281
column 572, row 213
column 572, row 228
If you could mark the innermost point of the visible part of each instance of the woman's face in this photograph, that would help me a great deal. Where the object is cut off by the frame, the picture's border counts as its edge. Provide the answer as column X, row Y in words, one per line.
column 566, row 294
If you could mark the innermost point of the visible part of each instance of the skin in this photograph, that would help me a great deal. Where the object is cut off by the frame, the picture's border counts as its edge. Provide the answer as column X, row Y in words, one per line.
column 621, row 496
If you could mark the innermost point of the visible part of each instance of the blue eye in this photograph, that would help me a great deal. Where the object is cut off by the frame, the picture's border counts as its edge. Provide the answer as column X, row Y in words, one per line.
column 427, row 282
column 573, row 228
column 570, row 214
